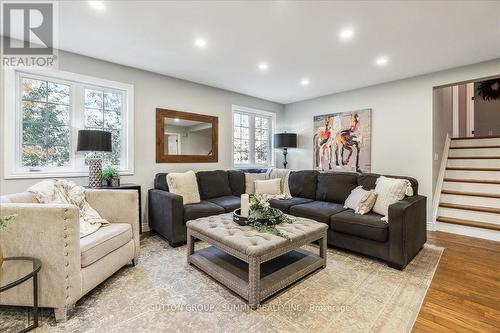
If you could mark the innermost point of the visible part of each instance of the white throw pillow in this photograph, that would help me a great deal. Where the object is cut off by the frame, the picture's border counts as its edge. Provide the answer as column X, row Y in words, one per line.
column 282, row 174
column 271, row 186
column 389, row 191
column 185, row 185
column 360, row 200
column 366, row 206
column 250, row 179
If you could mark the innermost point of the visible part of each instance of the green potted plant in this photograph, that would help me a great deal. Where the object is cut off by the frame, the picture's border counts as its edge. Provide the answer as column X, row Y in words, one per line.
column 111, row 176
column 3, row 224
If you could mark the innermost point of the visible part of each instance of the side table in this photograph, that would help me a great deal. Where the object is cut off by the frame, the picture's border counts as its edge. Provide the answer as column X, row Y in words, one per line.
column 16, row 270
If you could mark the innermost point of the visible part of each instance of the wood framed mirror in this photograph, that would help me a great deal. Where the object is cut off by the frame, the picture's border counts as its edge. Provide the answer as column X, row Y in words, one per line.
column 185, row 137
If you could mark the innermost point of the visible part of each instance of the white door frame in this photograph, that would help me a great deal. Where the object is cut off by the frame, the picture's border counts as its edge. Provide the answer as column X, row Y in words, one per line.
column 179, row 152
column 456, row 117
column 470, row 109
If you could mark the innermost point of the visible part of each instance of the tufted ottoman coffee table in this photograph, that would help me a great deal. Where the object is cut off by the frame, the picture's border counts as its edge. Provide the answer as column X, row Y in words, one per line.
column 253, row 264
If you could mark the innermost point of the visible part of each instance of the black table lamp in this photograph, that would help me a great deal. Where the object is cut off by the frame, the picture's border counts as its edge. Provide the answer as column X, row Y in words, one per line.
column 94, row 141
column 285, row 141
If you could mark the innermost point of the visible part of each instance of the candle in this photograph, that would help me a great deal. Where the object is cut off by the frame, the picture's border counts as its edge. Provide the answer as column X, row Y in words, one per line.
column 245, row 205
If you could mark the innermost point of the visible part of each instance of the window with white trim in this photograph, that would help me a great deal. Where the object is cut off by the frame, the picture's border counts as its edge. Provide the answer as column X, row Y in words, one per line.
column 252, row 137
column 48, row 111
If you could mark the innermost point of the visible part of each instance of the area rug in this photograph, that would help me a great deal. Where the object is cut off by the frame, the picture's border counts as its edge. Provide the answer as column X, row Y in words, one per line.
column 164, row 294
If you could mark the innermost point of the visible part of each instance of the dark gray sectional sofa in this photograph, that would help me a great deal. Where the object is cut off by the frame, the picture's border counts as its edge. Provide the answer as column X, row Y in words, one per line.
column 316, row 195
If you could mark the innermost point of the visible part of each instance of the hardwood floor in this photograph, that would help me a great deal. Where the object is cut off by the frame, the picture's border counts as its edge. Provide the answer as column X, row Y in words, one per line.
column 464, row 295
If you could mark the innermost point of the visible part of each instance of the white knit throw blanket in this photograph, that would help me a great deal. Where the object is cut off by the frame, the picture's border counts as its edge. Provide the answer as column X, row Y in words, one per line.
column 67, row 192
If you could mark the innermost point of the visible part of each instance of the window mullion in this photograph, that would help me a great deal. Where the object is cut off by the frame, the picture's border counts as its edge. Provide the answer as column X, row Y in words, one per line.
column 270, row 129
column 19, row 121
column 252, row 139
column 78, row 122
column 124, row 136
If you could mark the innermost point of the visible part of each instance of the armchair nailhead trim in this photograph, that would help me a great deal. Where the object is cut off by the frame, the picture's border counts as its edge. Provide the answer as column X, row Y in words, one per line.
column 66, row 262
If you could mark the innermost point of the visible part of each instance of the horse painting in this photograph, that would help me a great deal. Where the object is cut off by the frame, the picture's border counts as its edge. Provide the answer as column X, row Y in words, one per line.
column 338, row 136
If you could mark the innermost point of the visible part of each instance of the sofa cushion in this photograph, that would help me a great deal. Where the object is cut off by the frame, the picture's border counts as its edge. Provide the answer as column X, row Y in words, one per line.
column 303, row 183
column 317, row 210
column 284, row 205
column 161, row 181
column 250, row 178
column 213, row 184
column 185, row 185
column 201, row 209
column 368, row 226
column 105, row 240
column 236, row 181
column 229, row 202
column 335, row 186
column 390, row 191
column 368, row 181
column 249, row 170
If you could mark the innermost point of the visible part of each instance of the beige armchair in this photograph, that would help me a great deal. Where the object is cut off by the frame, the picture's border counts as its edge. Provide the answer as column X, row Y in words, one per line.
column 71, row 266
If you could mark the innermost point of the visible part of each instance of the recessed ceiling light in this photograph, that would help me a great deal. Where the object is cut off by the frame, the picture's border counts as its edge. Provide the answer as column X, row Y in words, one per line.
column 346, row 34
column 381, row 61
column 304, row 82
column 98, row 5
column 200, row 43
column 263, row 66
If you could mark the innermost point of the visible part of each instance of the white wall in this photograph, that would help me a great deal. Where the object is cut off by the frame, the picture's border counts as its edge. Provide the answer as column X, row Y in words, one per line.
column 442, row 125
column 152, row 91
column 401, row 121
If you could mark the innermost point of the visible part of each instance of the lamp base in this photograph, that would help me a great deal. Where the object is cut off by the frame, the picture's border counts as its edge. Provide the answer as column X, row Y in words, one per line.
column 285, row 152
column 95, row 172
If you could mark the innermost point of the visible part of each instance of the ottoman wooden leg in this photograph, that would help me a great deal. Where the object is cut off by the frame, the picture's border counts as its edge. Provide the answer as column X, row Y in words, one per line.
column 322, row 249
column 190, row 246
column 253, row 282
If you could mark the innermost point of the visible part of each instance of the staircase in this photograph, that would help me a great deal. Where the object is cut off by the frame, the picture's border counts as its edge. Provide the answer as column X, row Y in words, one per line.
column 470, row 196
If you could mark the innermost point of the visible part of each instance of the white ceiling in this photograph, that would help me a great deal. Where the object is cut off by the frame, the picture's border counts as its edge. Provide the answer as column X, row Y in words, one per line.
column 297, row 39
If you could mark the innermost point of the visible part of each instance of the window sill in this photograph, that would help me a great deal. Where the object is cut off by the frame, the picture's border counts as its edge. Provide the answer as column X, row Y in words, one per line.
column 56, row 174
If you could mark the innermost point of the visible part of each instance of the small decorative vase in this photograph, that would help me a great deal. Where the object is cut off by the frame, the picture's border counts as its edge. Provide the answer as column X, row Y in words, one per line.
column 115, row 182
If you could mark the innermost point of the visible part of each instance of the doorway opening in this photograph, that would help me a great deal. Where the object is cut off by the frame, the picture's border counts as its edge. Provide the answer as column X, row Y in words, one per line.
column 475, row 108
column 466, row 158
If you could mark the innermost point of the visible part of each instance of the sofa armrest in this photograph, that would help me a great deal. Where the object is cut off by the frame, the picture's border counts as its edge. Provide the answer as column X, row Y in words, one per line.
column 166, row 216
column 51, row 233
column 117, row 206
column 407, row 229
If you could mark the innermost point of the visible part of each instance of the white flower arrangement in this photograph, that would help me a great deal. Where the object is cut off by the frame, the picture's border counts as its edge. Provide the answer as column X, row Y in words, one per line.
column 263, row 218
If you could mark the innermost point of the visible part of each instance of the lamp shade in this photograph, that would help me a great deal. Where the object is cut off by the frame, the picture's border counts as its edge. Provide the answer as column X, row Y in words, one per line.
column 285, row 140
column 94, row 140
